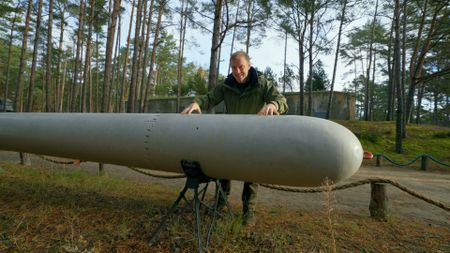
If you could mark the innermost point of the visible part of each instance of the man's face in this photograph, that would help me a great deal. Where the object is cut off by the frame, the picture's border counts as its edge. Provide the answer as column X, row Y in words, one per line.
column 239, row 68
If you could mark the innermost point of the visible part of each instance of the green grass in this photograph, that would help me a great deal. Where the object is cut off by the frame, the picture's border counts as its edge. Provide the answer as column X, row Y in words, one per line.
column 379, row 138
column 56, row 210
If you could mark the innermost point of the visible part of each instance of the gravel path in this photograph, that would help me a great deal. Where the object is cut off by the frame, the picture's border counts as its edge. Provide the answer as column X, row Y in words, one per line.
column 435, row 185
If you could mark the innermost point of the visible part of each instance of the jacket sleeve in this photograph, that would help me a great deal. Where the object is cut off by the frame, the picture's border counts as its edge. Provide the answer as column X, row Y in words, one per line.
column 211, row 99
column 272, row 95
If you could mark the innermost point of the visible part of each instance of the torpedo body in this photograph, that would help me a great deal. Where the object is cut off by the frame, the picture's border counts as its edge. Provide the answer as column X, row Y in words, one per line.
column 285, row 150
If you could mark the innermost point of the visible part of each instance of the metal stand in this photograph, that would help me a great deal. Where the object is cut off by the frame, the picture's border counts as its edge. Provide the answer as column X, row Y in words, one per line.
column 195, row 178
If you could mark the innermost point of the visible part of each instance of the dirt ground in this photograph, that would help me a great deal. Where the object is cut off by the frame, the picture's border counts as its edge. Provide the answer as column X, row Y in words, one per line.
column 433, row 184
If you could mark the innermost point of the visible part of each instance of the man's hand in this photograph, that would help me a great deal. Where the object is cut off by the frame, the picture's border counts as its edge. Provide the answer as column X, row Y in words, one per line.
column 194, row 107
column 269, row 109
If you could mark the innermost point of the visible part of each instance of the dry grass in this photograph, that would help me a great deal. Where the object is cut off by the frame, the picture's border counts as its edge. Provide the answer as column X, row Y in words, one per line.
column 44, row 210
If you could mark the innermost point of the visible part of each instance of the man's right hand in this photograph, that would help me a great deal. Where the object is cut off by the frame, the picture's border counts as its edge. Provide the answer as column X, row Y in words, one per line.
column 194, row 107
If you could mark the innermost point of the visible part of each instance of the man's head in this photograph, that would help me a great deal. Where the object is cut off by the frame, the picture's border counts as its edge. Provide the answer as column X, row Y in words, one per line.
column 240, row 66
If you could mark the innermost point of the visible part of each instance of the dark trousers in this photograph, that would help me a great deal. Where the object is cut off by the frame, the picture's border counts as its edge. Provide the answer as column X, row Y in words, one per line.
column 249, row 194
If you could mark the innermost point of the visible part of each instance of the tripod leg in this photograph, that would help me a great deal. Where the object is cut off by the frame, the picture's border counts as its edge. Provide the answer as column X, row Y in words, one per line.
column 203, row 191
column 197, row 220
column 213, row 221
column 163, row 222
column 222, row 194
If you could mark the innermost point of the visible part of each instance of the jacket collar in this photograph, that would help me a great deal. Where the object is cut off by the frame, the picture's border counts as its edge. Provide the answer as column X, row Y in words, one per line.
column 251, row 82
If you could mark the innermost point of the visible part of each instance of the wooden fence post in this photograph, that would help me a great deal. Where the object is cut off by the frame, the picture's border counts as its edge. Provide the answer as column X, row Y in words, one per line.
column 424, row 162
column 378, row 160
column 378, row 206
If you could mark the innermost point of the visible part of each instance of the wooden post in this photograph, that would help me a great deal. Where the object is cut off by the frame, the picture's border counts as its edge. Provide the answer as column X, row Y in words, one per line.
column 424, row 162
column 378, row 206
column 101, row 169
column 378, row 160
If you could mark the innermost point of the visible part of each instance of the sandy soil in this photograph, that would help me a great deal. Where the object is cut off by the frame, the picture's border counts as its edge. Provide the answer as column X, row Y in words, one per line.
column 435, row 185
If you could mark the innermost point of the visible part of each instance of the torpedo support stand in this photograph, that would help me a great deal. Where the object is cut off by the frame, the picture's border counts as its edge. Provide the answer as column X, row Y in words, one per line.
column 194, row 178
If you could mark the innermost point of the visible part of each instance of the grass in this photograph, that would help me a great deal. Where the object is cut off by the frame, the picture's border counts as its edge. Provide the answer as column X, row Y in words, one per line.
column 55, row 210
column 379, row 138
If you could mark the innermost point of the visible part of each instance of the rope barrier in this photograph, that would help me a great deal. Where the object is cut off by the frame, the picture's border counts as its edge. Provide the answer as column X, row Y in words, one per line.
column 309, row 190
column 59, row 162
column 437, row 161
column 413, row 160
column 146, row 172
column 358, row 183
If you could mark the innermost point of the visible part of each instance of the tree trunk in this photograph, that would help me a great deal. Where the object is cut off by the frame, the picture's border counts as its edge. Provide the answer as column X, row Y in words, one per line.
column 301, row 60
column 336, row 58
column 447, row 105
column 97, row 74
column 404, row 65
column 87, row 58
column 74, row 88
column 135, row 62
column 391, row 88
column 183, row 21
column 59, row 90
column 367, row 94
column 249, row 25
column 125, row 63
column 233, row 38
column 146, row 55
column 435, row 107
column 412, row 62
column 418, row 60
column 63, row 83
column 115, row 103
column 8, row 63
column 419, row 103
column 311, row 63
column 372, row 84
column 150, row 84
column 397, row 83
column 34, row 61
column 19, row 88
column 216, row 39
column 108, row 56
column 139, row 84
column 49, row 58
column 284, row 61
column 91, row 84
column 24, row 158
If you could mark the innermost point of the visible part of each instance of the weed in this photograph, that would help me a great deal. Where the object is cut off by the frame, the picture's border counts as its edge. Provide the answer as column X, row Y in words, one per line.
column 328, row 205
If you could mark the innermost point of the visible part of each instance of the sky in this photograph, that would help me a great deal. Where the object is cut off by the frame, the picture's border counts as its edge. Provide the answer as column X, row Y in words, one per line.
column 269, row 54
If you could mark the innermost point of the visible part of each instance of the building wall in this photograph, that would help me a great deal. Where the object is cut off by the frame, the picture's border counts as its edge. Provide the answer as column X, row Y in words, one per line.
column 343, row 106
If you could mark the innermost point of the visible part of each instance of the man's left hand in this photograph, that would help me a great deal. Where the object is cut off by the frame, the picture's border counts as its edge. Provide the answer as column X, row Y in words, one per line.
column 269, row 109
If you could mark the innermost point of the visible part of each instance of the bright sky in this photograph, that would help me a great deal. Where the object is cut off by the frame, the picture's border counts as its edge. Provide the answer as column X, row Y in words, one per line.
column 269, row 54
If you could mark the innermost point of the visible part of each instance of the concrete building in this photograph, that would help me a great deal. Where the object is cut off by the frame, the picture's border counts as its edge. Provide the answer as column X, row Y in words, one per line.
column 9, row 105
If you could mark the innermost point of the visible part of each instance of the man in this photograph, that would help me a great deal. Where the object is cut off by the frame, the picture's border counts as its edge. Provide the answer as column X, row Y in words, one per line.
column 244, row 91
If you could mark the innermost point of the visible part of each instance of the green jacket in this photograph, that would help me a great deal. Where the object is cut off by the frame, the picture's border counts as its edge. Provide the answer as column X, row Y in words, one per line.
column 259, row 93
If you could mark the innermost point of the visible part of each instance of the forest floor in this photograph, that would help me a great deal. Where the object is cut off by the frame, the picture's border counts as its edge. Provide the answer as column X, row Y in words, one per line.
column 69, row 208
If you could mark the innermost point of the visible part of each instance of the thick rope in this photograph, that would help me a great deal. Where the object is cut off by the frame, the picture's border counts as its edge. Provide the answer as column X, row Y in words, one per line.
column 305, row 190
column 59, row 162
column 358, row 183
column 146, row 172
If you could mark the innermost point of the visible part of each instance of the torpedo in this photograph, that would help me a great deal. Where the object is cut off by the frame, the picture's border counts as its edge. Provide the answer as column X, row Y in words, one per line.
column 284, row 150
